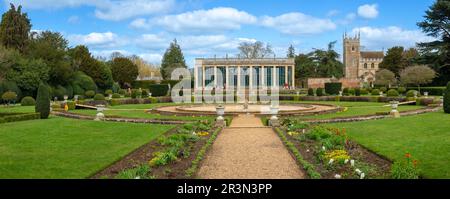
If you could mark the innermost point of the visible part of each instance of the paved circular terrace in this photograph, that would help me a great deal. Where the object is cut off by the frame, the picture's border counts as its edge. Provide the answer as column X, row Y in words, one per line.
column 235, row 109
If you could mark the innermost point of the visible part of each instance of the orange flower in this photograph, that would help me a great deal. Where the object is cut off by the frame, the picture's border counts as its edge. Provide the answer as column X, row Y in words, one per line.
column 415, row 163
column 408, row 155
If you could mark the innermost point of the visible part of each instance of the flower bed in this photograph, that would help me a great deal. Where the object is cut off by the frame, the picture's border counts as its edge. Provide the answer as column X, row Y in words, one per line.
column 329, row 154
column 175, row 155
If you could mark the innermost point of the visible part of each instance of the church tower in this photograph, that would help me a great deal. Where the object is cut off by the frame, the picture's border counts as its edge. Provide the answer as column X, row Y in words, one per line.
column 351, row 56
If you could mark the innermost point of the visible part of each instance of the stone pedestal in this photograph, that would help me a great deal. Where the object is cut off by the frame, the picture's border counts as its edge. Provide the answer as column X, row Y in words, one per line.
column 274, row 122
column 220, row 122
column 395, row 114
column 99, row 117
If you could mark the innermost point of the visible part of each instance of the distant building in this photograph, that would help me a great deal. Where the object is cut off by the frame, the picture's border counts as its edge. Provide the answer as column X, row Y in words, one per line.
column 360, row 64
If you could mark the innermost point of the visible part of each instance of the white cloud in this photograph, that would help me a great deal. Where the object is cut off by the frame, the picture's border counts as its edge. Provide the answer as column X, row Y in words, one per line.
column 332, row 13
column 140, row 23
column 105, row 9
column 296, row 23
column 151, row 57
column 368, row 11
column 98, row 40
column 378, row 38
column 215, row 19
column 73, row 19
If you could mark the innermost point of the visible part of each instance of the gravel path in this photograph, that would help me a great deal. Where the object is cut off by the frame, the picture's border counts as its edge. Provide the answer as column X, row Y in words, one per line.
column 248, row 150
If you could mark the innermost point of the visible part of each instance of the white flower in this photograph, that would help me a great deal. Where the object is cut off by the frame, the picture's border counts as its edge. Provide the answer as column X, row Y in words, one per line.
column 358, row 171
column 352, row 162
column 362, row 176
column 346, row 161
column 337, row 176
column 331, row 161
column 137, row 177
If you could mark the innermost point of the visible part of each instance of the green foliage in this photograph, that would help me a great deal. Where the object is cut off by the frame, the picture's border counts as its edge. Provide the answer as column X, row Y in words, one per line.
column 27, row 73
column 9, row 96
column 99, row 97
column 153, row 100
column 357, row 92
column 201, row 154
column 375, row 92
column 417, row 75
column 19, row 117
column 319, row 92
column 140, row 172
column 318, row 133
column 51, row 48
column 310, row 92
column 124, row 70
column 405, row 169
column 351, row 91
column 401, row 90
column 43, row 101
column 82, row 83
column 122, row 91
column 411, row 93
column 333, row 88
column 393, row 61
column 170, row 82
column 108, row 92
column 385, row 77
column 15, row 29
column 136, row 93
column 447, row 99
column 71, row 105
column 115, row 87
column 173, row 58
column 115, row 95
column 89, row 94
column 345, row 92
column 364, row 91
column 158, row 90
column 28, row 101
column 59, row 92
column 142, row 83
column 392, row 93
column 437, row 91
column 319, row 63
column 383, row 89
column 115, row 102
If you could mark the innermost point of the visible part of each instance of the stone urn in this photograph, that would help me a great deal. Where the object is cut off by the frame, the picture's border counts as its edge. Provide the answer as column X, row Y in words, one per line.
column 340, row 93
column 100, row 116
column 220, row 121
column 425, row 94
column 394, row 111
column 274, row 119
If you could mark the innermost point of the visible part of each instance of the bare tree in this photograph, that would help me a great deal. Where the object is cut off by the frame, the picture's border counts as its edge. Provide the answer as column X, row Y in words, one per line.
column 385, row 77
column 417, row 75
column 257, row 49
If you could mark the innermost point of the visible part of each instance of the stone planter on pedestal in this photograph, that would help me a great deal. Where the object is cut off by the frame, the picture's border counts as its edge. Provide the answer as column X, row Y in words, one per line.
column 100, row 116
column 220, row 121
column 274, row 119
column 394, row 111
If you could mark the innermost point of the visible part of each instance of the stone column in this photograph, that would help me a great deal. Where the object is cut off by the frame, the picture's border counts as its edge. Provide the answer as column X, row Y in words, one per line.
column 250, row 77
column 203, row 77
column 274, row 76
column 226, row 77
column 286, row 79
column 238, row 77
column 262, row 79
column 195, row 77
column 215, row 76
column 293, row 77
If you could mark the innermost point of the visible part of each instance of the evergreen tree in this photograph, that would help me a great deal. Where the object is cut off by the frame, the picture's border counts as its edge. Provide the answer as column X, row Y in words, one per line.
column 123, row 70
column 291, row 52
column 437, row 53
column 173, row 58
column 393, row 61
column 43, row 101
column 15, row 29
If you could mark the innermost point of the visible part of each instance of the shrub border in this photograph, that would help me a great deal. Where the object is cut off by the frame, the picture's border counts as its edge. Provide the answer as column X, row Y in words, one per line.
column 20, row 117
column 308, row 167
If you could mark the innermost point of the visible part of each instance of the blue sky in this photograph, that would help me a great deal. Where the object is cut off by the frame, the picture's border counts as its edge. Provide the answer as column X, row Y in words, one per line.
column 205, row 28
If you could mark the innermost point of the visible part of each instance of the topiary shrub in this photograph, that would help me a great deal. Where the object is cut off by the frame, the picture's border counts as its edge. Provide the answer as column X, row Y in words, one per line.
column 345, row 92
column 375, row 92
column 411, row 93
column 115, row 102
column 122, row 91
column 333, row 88
column 28, row 101
column 99, row 97
column 89, row 94
column 144, row 93
column 364, row 91
column 310, row 92
column 447, row 99
column 401, row 90
column 383, row 89
column 153, row 100
column 158, row 90
column 319, row 92
column 43, row 101
column 351, row 91
column 9, row 97
column 357, row 92
column 108, row 92
column 116, row 96
column 392, row 93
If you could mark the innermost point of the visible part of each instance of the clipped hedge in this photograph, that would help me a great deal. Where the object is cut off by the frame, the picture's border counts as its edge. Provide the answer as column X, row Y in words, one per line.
column 89, row 94
column 437, row 91
column 19, row 117
column 170, row 82
column 43, row 101
column 447, row 99
column 319, row 92
column 158, row 90
column 375, row 92
column 411, row 93
column 142, row 83
column 115, row 96
column 28, row 101
column 99, row 97
column 333, row 88
column 392, row 93
column 310, row 92
column 357, row 92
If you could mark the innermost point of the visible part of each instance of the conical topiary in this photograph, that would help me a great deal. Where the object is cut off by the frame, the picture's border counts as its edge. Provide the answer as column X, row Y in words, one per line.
column 43, row 101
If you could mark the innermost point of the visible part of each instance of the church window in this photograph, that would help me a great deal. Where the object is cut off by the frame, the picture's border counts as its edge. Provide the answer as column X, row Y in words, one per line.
column 353, row 48
column 373, row 65
column 365, row 65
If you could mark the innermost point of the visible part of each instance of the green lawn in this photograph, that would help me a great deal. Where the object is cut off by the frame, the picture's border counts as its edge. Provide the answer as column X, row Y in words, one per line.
column 16, row 109
column 358, row 108
column 138, row 111
column 425, row 136
column 66, row 148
